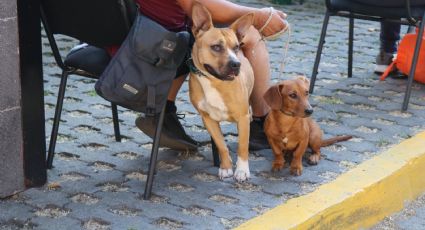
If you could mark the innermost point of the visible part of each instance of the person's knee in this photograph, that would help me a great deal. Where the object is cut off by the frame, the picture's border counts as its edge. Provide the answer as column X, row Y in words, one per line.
column 252, row 38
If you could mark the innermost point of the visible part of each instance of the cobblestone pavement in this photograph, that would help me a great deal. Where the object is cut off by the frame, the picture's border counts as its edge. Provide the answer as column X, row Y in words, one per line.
column 97, row 183
column 412, row 217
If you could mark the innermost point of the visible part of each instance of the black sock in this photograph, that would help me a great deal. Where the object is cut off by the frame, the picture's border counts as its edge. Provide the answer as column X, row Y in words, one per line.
column 170, row 107
column 259, row 120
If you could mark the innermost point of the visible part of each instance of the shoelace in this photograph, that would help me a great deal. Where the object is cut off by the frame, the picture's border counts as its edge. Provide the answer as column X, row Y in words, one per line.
column 180, row 116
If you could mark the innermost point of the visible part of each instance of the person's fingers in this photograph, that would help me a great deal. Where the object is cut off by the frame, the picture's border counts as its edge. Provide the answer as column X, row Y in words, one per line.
column 281, row 14
column 279, row 20
column 260, row 17
column 269, row 27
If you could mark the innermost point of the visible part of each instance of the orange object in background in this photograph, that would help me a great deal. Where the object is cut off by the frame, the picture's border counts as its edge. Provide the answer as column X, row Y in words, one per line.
column 403, row 60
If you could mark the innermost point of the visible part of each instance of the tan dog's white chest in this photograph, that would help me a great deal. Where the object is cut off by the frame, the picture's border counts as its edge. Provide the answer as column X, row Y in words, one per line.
column 213, row 102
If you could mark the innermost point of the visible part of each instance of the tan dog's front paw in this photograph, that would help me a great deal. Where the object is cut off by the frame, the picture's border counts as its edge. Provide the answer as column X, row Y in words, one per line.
column 224, row 173
column 296, row 170
column 314, row 159
column 242, row 170
column 277, row 166
column 241, row 175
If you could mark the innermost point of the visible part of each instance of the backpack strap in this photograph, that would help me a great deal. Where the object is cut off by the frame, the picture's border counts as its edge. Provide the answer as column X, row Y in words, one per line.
column 150, row 105
column 389, row 69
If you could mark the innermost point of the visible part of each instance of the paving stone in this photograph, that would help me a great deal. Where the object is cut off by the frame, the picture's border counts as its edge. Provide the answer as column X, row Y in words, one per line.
column 16, row 223
column 97, row 183
column 10, row 209
column 43, row 196
column 46, row 223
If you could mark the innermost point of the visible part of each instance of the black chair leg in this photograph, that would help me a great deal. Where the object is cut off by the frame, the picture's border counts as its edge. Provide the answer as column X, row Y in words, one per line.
column 350, row 47
column 154, row 157
column 319, row 51
column 411, row 76
column 216, row 157
column 56, row 120
column 116, row 122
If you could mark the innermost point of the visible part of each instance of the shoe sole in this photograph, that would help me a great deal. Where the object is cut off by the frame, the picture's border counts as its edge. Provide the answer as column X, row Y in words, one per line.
column 165, row 140
column 380, row 68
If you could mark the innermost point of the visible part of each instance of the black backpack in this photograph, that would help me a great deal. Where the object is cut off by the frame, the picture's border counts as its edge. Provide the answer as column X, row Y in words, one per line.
column 140, row 74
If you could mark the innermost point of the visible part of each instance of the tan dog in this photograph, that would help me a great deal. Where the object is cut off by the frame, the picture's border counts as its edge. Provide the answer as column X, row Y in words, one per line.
column 220, row 84
column 288, row 126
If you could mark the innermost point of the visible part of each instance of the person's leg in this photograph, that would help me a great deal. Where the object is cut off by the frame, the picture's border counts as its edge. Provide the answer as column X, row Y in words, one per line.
column 173, row 134
column 256, row 52
column 171, row 118
column 175, row 87
column 389, row 36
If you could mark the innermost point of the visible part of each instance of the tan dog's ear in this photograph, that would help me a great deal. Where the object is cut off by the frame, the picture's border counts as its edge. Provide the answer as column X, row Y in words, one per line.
column 241, row 26
column 305, row 80
column 201, row 18
column 273, row 97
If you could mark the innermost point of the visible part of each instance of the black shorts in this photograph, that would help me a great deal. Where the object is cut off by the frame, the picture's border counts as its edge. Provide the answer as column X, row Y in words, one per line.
column 183, row 69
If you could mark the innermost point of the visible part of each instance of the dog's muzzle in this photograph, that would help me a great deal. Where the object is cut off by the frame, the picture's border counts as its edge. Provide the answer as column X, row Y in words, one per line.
column 308, row 112
column 234, row 67
column 231, row 71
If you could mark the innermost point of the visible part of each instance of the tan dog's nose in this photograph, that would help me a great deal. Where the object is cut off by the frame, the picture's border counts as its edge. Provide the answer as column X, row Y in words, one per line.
column 234, row 65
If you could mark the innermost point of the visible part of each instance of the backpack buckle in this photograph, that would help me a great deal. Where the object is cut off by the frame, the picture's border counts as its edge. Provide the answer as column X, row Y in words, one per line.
column 150, row 111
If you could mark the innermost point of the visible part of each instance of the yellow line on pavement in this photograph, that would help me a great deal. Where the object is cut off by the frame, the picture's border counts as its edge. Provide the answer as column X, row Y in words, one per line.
column 356, row 199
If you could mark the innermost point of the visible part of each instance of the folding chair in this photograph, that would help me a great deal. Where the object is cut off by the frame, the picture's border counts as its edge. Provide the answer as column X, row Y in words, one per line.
column 100, row 23
column 97, row 22
column 408, row 12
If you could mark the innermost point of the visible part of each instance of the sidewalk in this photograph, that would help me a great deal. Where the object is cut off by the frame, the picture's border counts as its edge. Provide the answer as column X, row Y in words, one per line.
column 97, row 183
column 412, row 217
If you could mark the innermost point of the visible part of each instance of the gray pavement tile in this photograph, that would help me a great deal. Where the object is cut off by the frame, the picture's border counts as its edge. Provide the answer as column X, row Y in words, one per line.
column 12, row 209
column 17, row 224
column 65, row 223
column 40, row 197
column 98, row 183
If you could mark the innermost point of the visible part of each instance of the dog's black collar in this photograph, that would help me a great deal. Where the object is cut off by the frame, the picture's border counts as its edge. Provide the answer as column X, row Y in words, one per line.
column 286, row 113
column 193, row 68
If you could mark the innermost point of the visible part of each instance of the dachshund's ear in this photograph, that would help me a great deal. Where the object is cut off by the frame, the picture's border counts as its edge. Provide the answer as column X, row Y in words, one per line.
column 304, row 80
column 273, row 96
column 201, row 18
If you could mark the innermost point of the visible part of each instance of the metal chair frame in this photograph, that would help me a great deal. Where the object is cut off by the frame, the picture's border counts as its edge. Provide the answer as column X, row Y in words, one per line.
column 408, row 21
column 66, row 71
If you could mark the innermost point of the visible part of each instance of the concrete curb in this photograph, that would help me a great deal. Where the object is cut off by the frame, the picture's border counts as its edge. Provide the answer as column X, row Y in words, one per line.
column 357, row 199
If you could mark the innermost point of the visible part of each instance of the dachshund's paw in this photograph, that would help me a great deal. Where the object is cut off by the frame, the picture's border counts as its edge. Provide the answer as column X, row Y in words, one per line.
column 296, row 170
column 277, row 166
column 313, row 159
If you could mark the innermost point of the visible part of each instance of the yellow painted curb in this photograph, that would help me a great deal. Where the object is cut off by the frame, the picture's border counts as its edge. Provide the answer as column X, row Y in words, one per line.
column 356, row 199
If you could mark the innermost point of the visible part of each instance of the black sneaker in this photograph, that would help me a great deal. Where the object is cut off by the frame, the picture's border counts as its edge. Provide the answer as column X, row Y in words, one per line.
column 172, row 123
column 257, row 137
column 169, row 138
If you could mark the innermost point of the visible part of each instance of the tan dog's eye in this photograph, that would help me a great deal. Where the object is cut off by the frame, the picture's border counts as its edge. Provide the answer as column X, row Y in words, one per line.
column 293, row 95
column 217, row 48
column 236, row 48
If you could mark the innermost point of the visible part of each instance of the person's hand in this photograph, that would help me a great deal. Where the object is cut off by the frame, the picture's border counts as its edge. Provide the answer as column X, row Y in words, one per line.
column 270, row 28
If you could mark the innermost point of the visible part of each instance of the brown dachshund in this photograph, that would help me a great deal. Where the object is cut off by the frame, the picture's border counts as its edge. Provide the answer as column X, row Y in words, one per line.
column 289, row 127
